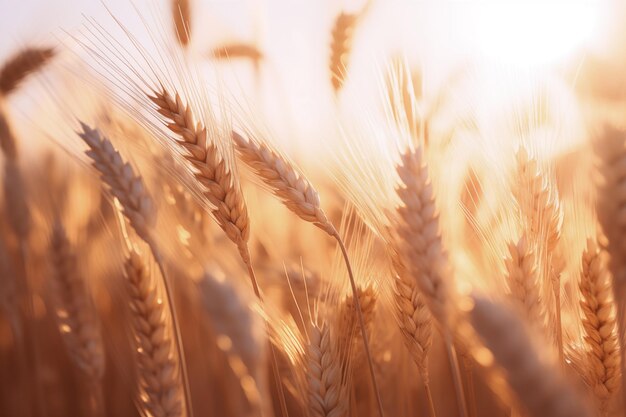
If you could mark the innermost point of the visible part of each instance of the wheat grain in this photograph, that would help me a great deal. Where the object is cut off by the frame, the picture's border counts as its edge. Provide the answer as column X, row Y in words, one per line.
column 73, row 308
column 599, row 325
column 24, row 62
column 157, row 361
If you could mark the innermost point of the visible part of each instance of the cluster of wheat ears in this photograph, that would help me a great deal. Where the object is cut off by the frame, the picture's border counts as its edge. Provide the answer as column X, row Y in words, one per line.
column 159, row 279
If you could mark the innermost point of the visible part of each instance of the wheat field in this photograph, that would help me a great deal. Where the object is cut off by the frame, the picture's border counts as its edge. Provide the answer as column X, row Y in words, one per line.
column 257, row 226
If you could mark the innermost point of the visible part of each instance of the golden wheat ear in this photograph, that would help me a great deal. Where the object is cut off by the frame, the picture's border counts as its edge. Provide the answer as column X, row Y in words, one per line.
column 19, row 66
column 599, row 325
column 160, row 386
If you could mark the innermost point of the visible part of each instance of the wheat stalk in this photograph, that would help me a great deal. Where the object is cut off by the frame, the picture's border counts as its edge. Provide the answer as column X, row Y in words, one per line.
column 298, row 195
column 327, row 396
column 157, row 360
column 599, row 325
column 539, row 387
column 17, row 68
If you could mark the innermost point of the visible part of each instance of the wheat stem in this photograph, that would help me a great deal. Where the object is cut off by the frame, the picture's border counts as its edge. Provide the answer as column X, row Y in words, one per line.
column 359, row 311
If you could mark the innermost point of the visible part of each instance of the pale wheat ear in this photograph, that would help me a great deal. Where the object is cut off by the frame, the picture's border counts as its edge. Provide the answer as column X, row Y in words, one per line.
column 539, row 387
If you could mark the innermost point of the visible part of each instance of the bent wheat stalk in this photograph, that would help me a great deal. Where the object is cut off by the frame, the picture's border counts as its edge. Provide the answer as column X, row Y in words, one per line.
column 139, row 209
column 300, row 197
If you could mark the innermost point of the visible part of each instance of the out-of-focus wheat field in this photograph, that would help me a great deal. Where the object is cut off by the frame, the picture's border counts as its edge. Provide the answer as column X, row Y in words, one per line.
column 312, row 208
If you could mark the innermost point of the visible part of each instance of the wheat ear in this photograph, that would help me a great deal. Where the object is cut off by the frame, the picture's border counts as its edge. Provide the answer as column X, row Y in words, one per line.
column 414, row 320
column 157, row 360
column 138, row 207
column 237, row 50
column 285, row 181
column 124, row 185
column 17, row 68
column 539, row 204
column 75, row 314
column 210, row 169
column 348, row 320
column 540, row 388
column 599, row 325
column 340, row 47
column 73, row 307
column 327, row 396
column 298, row 195
column 181, row 13
column 521, row 269
column 421, row 252
column 612, row 215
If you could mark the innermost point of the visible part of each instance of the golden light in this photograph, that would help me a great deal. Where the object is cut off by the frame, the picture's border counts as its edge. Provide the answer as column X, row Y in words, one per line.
column 533, row 33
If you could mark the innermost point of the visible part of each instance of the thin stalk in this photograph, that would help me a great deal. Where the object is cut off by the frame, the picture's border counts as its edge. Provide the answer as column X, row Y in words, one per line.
column 30, row 335
column 175, row 324
column 96, row 399
column 275, row 370
column 559, row 329
column 621, row 329
column 471, row 391
column 357, row 306
column 429, row 397
column 456, row 374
